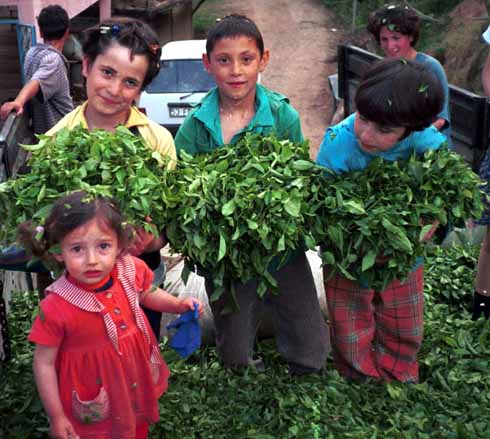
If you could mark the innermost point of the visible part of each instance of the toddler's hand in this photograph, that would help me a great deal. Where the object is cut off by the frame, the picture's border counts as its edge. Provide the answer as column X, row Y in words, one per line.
column 61, row 428
column 188, row 304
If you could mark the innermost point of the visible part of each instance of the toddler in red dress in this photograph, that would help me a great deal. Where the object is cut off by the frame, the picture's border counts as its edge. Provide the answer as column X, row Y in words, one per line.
column 97, row 365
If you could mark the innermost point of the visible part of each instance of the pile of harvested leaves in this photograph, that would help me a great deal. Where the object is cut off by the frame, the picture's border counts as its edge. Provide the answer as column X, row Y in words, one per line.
column 242, row 208
column 115, row 164
column 378, row 212
column 452, row 400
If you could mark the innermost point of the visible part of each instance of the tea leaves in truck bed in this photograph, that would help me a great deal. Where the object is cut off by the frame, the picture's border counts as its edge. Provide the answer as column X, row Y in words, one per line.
column 203, row 400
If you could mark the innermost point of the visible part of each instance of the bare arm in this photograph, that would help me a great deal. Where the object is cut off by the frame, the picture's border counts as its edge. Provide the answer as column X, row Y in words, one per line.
column 47, row 386
column 485, row 76
column 29, row 90
column 439, row 123
column 159, row 300
column 428, row 236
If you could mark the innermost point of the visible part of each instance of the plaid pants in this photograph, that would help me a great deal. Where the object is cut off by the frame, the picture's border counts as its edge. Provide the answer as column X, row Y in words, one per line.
column 376, row 334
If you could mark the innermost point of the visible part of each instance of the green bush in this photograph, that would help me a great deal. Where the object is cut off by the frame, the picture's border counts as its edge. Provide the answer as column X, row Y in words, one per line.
column 205, row 17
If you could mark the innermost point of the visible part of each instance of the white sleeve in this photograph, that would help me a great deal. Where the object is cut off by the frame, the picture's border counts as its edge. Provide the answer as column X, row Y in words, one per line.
column 486, row 35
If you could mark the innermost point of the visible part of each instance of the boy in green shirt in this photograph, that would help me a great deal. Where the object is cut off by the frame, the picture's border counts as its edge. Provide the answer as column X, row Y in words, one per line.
column 235, row 56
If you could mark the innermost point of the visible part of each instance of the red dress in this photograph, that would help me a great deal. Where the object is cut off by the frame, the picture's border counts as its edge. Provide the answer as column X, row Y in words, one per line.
column 110, row 371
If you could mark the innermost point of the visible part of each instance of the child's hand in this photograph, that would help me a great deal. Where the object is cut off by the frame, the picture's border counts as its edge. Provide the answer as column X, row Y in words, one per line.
column 141, row 241
column 61, row 428
column 430, row 233
column 144, row 241
column 188, row 305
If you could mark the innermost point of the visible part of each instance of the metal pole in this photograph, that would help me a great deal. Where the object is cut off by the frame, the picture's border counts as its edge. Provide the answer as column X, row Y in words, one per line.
column 354, row 13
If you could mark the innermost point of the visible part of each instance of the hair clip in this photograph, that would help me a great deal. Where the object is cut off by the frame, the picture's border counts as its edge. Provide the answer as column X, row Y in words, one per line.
column 154, row 48
column 113, row 30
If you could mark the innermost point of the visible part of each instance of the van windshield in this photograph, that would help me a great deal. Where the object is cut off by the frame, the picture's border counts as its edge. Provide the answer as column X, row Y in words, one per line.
column 181, row 76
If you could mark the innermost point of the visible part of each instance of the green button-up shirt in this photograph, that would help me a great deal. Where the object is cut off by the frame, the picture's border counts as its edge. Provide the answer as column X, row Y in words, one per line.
column 201, row 130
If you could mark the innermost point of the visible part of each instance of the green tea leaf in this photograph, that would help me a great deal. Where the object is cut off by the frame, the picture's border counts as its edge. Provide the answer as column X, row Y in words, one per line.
column 222, row 247
column 368, row 260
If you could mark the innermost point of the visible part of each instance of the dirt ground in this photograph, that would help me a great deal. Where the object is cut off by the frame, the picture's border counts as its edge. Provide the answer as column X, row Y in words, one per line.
column 302, row 38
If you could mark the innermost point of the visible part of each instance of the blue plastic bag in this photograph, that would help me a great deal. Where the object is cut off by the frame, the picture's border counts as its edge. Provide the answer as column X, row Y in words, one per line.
column 187, row 337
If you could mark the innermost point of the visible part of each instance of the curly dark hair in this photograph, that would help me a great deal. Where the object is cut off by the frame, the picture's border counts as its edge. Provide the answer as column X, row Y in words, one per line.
column 132, row 33
column 400, row 93
column 67, row 214
column 397, row 18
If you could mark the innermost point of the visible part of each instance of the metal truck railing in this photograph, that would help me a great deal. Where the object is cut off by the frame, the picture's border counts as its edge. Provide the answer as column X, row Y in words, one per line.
column 13, row 132
column 470, row 112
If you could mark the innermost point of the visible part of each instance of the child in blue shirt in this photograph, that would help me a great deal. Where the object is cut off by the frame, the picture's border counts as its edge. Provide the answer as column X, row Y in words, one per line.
column 378, row 334
column 235, row 55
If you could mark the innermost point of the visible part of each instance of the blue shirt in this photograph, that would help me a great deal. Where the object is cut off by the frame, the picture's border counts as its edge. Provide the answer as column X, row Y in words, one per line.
column 340, row 150
column 435, row 67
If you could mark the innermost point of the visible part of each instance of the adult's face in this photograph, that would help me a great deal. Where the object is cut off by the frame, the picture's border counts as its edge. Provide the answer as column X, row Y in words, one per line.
column 396, row 44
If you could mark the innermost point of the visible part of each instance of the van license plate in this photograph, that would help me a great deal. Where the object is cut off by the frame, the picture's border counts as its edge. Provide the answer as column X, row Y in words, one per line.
column 179, row 111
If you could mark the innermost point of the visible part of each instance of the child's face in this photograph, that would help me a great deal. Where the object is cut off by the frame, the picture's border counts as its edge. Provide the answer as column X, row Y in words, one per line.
column 114, row 82
column 89, row 252
column 395, row 44
column 235, row 64
column 375, row 138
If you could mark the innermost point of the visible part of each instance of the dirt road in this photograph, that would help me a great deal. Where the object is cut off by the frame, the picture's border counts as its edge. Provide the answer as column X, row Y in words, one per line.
column 302, row 37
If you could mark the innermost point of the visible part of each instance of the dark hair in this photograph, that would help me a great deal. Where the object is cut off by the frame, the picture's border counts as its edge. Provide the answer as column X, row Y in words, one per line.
column 397, row 92
column 397, row 18
column 53, row 21
column 232, row 26
column 68, row 213
column 132, row 33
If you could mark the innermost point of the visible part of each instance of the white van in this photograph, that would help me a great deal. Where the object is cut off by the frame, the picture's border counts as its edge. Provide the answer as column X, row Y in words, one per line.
column 181, row 83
